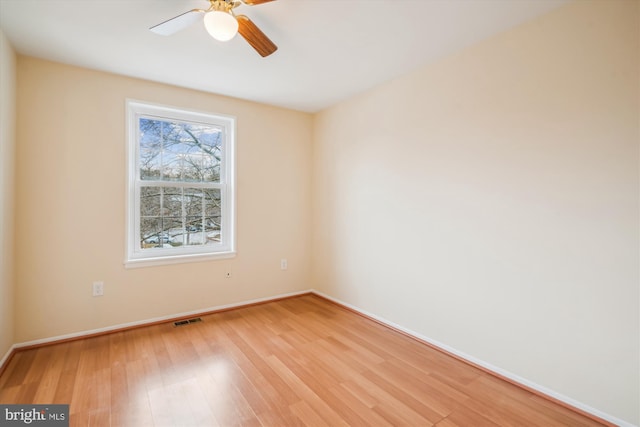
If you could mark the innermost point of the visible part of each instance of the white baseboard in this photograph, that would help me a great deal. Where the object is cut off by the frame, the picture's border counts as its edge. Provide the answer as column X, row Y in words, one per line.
column 499, row 371
column 5, row 358
column 155, row 320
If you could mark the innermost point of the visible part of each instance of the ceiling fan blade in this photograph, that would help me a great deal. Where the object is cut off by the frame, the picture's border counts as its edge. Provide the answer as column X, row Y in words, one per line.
column 177, row 23
column 255, row 2
column 256, row 38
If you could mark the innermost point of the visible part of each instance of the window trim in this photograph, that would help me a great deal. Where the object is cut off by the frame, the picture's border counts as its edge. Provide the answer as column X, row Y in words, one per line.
column 134, row 255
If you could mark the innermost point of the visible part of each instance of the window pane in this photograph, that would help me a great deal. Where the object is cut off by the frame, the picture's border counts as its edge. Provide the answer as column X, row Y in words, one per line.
column 171, row 228
column 212, row 202
column 174, row 151
column 150, row 201
column 212, row 212
column 181, row 158
column 193, row 201
column 150, row 230
column 212, row 230
column 176, row 216
column 193, row 233
column 172, row 202
column 194, row 224
column 150, row 161
column 212, row 153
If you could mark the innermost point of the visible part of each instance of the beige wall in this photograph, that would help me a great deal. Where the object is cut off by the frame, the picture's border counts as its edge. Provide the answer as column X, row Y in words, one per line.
column 71, row 205
column 7, row 152
column 489, row 201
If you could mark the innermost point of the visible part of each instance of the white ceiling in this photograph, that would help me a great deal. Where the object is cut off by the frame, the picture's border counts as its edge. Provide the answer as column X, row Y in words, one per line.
column 328, row 50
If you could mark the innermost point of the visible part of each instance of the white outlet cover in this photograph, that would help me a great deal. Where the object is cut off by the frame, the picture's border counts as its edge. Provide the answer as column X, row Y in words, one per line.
column 98, row 289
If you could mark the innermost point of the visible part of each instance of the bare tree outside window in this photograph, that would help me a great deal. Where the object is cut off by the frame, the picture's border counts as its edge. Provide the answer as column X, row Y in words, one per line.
column 172, row 152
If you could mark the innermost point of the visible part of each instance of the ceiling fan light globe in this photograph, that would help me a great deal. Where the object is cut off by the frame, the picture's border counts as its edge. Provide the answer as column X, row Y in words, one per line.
column 220, row 25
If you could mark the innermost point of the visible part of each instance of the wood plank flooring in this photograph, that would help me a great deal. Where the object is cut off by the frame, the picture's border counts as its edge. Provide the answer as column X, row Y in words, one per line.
column 302, row 361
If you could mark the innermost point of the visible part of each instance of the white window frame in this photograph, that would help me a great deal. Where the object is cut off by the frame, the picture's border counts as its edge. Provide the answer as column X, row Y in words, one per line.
column 136, row 256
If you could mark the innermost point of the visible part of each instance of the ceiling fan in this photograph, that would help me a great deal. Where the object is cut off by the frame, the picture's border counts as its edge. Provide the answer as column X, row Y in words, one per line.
column 222, row 24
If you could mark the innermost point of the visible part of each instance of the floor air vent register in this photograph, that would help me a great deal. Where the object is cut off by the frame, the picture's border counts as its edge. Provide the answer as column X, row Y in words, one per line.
column 186, row 322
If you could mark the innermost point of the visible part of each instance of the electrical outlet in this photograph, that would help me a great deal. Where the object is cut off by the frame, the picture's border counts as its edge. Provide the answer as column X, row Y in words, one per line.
column 98, row 289
column 283, row 264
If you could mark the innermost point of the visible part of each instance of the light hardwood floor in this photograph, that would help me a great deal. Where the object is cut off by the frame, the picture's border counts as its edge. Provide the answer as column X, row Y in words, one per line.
column 302, row 361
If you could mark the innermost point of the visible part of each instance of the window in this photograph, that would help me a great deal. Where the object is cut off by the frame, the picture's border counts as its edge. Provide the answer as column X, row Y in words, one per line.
column 180, row 187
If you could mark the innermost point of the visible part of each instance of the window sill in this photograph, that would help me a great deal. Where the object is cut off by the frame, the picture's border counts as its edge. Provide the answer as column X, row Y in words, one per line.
column 177, row 259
